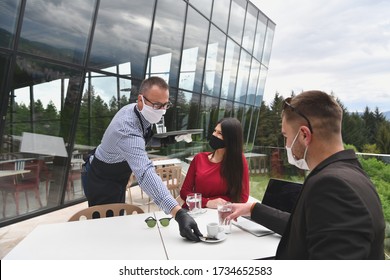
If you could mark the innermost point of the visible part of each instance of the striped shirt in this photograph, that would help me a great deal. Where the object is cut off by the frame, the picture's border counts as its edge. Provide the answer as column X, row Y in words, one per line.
column 123, row 141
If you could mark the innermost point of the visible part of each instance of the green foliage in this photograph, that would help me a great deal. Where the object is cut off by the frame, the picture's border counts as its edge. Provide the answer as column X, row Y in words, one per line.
column 383, row 137
column 368, row 132
column 379, row 173
column 350, row 147
column 370, row 148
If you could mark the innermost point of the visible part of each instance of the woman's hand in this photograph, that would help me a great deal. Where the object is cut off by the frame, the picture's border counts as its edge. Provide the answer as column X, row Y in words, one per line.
column 213, row 203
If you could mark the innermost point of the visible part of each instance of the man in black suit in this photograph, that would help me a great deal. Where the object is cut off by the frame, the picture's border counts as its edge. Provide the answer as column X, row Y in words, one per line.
column 338, row 214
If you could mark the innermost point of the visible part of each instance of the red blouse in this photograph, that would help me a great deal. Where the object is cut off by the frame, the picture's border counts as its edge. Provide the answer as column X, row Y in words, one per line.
column 204, row 177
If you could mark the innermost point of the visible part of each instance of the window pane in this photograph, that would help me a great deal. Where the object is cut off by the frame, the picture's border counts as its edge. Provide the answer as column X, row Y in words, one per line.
column 128, row 24
column 204, row 6
column 250, row 28
column 252, row 87
column 8, row 13
column 225, row 109
column 230, row 70
column 208, row 114
column 159, row 65
column 167, row 40
column 261, row 85
column 238, row 111
column 3, row 75
column 253, row 127
column 221, row 13
column 41, row 113
column 243, row 76
column 193, row 57
column 260, row 36
column 100, row 101
column 246, row 122
column 57, row 30
column 236, row 21
column 187, row 113
column 268, row 43
column 214, row 62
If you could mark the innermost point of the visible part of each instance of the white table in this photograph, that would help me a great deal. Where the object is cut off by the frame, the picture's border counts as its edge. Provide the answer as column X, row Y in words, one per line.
column 5, row 173
column 115, row 238
column 239, row 244
column 16, row 160
column 128, row 237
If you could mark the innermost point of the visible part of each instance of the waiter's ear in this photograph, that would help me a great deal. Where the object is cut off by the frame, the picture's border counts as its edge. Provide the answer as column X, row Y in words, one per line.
column 140, row 104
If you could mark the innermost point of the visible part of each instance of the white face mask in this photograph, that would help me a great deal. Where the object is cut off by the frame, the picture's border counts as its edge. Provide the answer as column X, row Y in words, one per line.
column 300, row 163
column 151, row 115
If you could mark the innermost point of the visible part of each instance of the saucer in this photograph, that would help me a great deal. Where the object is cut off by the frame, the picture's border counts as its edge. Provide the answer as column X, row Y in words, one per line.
column 200, row 212
column 220, row 237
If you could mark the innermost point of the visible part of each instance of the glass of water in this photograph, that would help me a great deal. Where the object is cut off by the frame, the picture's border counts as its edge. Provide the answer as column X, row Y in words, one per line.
column 194, row 203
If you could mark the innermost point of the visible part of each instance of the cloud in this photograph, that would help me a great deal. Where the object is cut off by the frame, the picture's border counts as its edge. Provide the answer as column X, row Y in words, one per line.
column 341, row 46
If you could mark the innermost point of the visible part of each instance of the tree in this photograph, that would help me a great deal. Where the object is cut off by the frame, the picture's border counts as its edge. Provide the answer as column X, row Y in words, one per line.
column 352, row 128
column 383, row 138
column 369, row 125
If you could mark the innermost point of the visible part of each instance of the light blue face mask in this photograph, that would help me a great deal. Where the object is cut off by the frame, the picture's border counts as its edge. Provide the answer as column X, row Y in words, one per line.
column 300, row 163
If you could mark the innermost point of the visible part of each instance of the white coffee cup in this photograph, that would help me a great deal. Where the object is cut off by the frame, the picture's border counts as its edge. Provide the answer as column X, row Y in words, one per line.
column 213, row 229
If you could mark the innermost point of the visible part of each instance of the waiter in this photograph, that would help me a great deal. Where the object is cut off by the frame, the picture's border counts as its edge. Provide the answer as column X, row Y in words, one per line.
column 122, row 151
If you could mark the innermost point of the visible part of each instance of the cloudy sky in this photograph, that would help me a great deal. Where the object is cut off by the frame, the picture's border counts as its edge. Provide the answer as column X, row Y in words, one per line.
column 332, row 45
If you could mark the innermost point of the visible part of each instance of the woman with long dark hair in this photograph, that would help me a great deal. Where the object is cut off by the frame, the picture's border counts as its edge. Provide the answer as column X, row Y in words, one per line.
column 221, row 175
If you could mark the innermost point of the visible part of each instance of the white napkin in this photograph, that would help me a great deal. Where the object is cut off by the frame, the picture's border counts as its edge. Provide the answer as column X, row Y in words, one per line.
column 184, row 137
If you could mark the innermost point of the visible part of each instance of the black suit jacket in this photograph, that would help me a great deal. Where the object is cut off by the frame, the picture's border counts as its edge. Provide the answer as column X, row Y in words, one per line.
column 338, row 215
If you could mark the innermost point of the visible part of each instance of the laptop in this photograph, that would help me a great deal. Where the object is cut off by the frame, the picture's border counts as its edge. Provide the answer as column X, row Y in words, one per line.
column 245, row 223
column 281, row 194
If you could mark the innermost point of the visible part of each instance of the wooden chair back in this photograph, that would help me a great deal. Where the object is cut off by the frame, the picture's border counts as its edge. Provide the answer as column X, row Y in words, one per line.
column 172, row 177
column 106, row 210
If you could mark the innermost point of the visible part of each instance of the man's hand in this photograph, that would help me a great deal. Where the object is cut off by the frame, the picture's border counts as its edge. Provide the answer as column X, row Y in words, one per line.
column 240, row 209
column 187, row 225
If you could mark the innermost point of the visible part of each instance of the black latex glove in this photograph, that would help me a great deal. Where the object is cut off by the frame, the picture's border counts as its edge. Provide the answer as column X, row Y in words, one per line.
column 187, row 225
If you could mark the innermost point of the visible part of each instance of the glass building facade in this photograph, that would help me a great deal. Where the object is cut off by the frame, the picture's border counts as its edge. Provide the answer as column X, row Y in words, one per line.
column 66, row 67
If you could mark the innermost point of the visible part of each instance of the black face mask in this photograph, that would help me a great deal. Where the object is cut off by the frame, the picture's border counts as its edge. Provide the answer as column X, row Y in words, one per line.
column 216, row 143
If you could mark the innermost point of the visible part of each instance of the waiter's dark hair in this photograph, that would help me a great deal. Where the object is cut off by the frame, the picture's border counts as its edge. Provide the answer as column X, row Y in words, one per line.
column 152, row 81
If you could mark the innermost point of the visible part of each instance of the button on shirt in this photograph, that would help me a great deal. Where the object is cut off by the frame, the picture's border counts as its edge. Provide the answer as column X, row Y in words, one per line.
column 123, row 141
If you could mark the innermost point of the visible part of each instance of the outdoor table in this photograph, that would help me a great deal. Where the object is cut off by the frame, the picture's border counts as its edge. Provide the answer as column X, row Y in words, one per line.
column 128, row 237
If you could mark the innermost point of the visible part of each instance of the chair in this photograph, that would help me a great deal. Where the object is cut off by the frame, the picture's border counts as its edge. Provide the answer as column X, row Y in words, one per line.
column 172, row 177
column 74, row 174
column 105, row 211
column 28, row 181
column 132, row 182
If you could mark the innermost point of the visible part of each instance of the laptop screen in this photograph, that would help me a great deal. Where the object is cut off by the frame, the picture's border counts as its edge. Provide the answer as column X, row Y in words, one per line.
column 281, row 194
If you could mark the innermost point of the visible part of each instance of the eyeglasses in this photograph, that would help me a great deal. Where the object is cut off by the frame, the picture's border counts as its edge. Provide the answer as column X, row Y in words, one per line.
column 151, row 222
column 288, row 105
column 158, row 105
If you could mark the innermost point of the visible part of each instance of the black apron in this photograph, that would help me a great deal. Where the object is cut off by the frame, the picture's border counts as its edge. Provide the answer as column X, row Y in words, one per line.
column 105, row 183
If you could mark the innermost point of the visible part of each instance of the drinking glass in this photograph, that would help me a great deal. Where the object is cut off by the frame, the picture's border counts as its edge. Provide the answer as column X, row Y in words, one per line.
column 194, row 202
column 224, row 210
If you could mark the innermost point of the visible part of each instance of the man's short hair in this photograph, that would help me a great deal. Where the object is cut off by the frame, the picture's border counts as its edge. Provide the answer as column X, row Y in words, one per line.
column 153, row 81
column 320, row 109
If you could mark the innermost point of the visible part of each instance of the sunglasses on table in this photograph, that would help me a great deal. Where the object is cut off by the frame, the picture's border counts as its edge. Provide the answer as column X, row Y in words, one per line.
column 151, row 222
column 292, row 108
